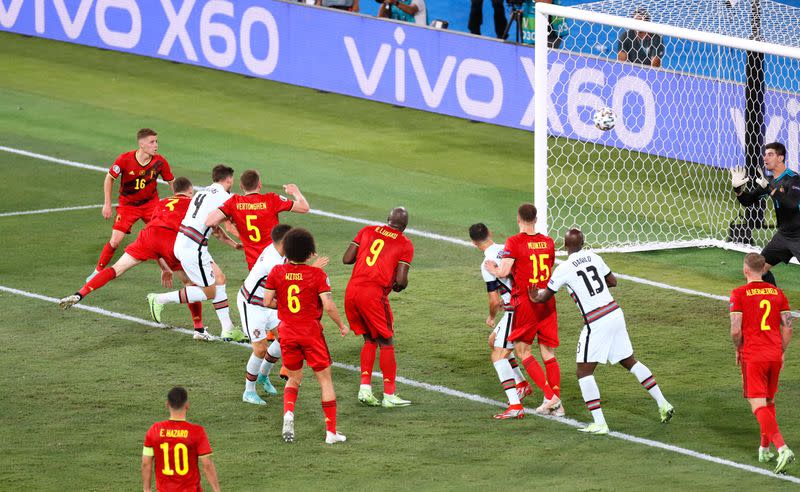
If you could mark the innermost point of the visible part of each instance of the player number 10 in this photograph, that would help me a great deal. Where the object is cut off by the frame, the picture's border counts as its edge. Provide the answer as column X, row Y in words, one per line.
column 767, row 307
column 292, row 300
column 256, row 236
column 181, row 454
column 541, row 270
column 375, row 249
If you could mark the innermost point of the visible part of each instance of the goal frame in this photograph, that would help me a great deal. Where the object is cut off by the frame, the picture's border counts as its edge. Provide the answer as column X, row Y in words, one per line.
column 541, row 97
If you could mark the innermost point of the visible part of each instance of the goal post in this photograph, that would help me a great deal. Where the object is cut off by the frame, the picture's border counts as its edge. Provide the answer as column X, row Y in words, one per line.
column 660, row 178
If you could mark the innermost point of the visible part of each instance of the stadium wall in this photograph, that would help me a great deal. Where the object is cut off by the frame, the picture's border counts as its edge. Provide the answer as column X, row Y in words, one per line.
column 444, row 72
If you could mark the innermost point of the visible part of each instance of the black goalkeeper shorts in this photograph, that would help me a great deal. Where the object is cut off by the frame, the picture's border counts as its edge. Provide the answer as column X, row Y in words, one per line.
column 781, row 249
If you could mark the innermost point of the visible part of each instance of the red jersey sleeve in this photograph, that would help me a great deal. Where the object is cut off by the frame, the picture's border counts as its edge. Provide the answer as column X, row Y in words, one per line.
column 359, row 237
column 166, row 172
column 408, row 253
column 149, row 438
column 736, row 302
column 272, row 280
column 203, row 446
column 508, row 249
column 280, row 204
column 229, row 206
column 116, row 169
column 323, row 282
column 784, row 302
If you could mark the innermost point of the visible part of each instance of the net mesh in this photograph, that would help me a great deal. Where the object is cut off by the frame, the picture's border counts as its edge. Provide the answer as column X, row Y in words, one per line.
column 660, row 177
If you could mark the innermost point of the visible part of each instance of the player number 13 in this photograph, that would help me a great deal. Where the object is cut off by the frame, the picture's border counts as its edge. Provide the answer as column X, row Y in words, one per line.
column 541, row 270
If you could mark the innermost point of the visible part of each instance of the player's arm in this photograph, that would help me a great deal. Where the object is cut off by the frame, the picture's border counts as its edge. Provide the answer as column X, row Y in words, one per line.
column 269, row 299
column 736, row 331
column 299, row 202
column 223, row 236
column 739, row 181
column 538, row 295
column 495, row 302
column 107, row 185
column 499, row 271
column 350, row 254
column 333, row 313
column 210, row 471
column 786, row 329
column 400, row 277
column 166, row 273
column 611, row 280
column 215, row 218
column 147, row 469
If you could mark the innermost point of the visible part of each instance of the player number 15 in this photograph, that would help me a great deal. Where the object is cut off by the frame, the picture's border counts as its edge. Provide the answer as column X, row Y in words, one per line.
column 541, row 270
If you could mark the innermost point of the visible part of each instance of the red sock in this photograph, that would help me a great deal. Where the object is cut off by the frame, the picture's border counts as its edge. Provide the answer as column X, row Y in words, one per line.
column 105, row 256
column 329, row 409
column 769, row 426
column 388, row 368
column 367, row 361
column 105, row 276
column 196, row 308
column 289, row 398
column 553, row 375
column 536, row 373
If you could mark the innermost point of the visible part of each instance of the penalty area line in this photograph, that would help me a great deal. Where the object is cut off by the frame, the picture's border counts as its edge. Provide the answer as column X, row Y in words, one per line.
column 438, row 389
column 48, row 210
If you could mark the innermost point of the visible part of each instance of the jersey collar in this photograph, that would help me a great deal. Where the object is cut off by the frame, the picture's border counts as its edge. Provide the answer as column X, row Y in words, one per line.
column 787, row 172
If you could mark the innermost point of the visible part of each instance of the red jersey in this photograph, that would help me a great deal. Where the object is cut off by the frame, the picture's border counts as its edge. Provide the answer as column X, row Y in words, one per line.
column 169, row 212
column 297, row 288
column 761, row 305
column 138, row 183
column 176, row 445
column 255, row 215
column 534, row 256
column 380, row 249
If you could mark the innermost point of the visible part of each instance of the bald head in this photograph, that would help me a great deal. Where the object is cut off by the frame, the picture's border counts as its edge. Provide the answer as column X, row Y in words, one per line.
column 398, row 218
column 573, row 240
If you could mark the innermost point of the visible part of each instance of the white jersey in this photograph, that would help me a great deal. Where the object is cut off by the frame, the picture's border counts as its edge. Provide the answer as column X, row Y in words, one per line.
column 584, row 274
column 203, row 203
column 501, row 285
column 253, row 287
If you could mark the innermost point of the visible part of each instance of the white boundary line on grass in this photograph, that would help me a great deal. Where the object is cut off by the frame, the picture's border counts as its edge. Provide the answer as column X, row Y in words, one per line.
column 48, row 210
column 440, row 389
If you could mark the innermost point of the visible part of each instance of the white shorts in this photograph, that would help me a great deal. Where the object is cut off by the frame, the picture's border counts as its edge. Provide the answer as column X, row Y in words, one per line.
column 195, row 260
column 502, row 330
column 605, row 340
column 256, row 320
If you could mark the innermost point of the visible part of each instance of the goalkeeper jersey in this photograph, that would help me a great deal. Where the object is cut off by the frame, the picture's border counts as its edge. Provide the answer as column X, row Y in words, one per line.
column 785, row 193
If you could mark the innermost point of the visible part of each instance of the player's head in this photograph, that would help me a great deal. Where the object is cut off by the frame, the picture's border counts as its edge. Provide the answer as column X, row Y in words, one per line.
column 298, row 245
column 147, row 139
column 526, row 214
column 177, row 398
column 775, row 157
column 398, row 218
column 754, row 265
column 278, row 234
column 250, row 181
column 479, row 234
column 223, row 175
column 573, row 240
column 182, row 185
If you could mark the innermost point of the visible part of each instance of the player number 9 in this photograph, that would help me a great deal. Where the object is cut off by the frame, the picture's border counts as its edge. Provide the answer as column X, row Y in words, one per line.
column 767, row 307
column 181, row 454
column 292, row 300
column 375, row 249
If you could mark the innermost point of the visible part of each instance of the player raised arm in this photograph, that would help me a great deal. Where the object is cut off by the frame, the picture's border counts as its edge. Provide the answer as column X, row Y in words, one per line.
column 210, row 471
column 739, row 180
column 107, row 185
column 147, row 471
column 300, row 204
column 333, row 313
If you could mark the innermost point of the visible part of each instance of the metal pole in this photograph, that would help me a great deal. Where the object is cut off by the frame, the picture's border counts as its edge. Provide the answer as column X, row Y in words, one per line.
column 540, row 121
column 754, row 117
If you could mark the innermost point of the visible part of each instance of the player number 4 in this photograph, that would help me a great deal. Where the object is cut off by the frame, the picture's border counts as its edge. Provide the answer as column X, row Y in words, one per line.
column 375, row 249
column 256, row 236
column 292, row 300
column 181, row 454
column 767, row 307
column 541, row 270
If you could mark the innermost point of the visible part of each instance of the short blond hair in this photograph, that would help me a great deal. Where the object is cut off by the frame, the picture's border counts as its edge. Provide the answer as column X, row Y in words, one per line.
column 755, row 262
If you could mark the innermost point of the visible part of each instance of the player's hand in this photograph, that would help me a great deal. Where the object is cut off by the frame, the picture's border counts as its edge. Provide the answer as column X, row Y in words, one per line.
column 490, row 324
column 738, row 358
column 320, row 261
column 491, row 267
column 107, row 211
column 761, row 181
column 344, row 330
column 238, row 246
column 291, row 188
column 533, row 291
column 738, row 176
column 166, row 279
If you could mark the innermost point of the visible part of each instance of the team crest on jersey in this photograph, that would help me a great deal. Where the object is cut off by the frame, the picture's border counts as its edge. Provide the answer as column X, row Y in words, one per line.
column 328, row 281
column 256, row 333
column 115, row 168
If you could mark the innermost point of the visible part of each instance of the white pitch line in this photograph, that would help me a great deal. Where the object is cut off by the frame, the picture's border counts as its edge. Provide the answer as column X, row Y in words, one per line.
column 442, row 390
column 48, row 210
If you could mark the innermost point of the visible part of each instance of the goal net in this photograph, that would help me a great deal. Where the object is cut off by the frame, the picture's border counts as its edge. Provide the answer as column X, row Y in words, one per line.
column 704, row 85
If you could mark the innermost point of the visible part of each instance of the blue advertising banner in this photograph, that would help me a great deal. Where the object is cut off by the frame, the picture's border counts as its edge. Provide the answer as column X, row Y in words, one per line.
column 660, row 112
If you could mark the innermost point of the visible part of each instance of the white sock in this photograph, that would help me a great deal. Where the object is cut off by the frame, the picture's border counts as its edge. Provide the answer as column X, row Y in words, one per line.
column 518, row 377
column 366, row 386
column 223, row 310
column 506, row 375
column 190, row 293
column 591, row 396
column 275, row 351
column 648, row 382
column 253, row 364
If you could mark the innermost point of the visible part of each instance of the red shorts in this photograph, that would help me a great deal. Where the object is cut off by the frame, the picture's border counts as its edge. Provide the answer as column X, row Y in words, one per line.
column 760, row 379
column 311, row 348
column 538, row 321
column 153, row 243
column 127, row 215
column 368, row 312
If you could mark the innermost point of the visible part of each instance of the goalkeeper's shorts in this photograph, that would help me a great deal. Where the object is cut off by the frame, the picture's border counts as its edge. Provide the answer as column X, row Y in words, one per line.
column 781, row 249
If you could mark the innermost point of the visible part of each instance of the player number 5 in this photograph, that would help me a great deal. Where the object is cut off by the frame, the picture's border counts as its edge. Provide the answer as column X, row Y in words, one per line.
column 292, row 300
column 181, row 454
column 375, row 249
column 541, row 270
column 767, row 307
column 256, row 236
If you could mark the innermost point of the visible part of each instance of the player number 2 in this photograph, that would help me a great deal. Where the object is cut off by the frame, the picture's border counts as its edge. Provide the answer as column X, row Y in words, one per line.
column 767, row 307
column 181, row 455
column 541, row 271
column 375, row 249
column 292, row 300
column 256, row 236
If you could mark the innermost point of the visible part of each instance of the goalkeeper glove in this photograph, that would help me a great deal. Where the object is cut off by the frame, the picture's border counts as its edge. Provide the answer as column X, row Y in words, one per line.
column 761, row 181
column 738, row 176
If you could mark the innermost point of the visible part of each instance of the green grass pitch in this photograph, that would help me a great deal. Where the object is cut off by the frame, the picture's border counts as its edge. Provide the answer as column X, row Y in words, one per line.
column 80, row 389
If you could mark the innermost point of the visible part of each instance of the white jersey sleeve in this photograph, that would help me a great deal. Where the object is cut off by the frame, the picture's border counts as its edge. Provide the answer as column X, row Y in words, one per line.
column 503, row 285
column 203, row 202
column 253, row 287
column 559, row 277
